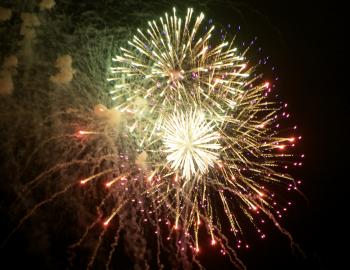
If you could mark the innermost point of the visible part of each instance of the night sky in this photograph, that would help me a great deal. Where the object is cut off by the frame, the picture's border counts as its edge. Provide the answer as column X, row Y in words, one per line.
column 305, row 43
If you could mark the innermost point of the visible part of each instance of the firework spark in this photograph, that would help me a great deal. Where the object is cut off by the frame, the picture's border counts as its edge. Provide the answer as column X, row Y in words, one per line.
column 173, row 64
column 236, row 154
column 191, row 143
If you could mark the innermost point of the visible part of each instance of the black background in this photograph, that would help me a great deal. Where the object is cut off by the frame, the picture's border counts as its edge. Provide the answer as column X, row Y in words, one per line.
column 306, row 43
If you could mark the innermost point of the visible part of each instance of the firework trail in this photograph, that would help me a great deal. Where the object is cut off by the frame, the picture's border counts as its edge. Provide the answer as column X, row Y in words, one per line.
column 190, row 141
column 208, row 118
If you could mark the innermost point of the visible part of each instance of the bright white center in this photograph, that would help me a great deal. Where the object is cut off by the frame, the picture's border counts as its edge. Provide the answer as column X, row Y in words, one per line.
column 191, row 143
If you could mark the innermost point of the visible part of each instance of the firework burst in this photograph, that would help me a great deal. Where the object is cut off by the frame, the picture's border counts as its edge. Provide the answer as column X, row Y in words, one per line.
column 192, row 141
column 228, row 149
column 173, row 64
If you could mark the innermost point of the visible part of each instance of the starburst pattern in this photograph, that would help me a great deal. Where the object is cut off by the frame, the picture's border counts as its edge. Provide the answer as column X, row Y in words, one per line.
column 176, row 66
column 173, row 62
column 191, row 143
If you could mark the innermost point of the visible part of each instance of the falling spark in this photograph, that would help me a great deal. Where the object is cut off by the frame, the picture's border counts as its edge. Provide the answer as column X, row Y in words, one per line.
column 201, row 138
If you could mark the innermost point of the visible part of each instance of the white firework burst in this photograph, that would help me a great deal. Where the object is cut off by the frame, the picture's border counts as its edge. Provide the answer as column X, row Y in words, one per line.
column 190, row 142
column 176, row 63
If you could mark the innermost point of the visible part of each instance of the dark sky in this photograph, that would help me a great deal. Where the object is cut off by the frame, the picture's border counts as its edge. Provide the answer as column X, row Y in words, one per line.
column 306, row 43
